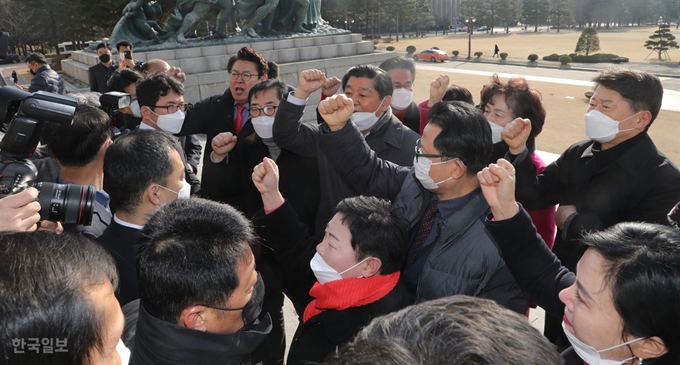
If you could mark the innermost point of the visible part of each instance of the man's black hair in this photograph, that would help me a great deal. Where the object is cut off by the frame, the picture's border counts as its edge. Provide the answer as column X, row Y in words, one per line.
column 155, row 86
column 382, row 82
column 134, row 161
column 36, row 57
column 103, row 45
column 78, row 144
column 377, row 231
column 122, row 79
column 189, row 252
column 465, row 134
column 123, row 43
column 44, row 282
column 270, row 84
column 400, row 62
column 250, row 55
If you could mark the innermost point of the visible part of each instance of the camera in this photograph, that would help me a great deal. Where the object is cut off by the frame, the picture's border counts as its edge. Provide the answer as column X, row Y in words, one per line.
column 111, row 103
column 67, row 203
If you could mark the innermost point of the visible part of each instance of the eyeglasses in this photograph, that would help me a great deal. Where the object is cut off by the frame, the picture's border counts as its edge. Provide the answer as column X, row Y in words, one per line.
column 246, row 76
column 173, row 107
column 419, row 152
column 268, row 110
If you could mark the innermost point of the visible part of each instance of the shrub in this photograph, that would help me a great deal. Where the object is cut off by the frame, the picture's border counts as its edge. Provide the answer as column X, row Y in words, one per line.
column 532, row 57
column 388, row 40
column 390, row 48
column 478, row 54
column 503, row 55
column 435, row 48
column 455, row 53
column 565, row 60
column 375, row 48
column 376, row 41
column 411, row 49
column 593, row 58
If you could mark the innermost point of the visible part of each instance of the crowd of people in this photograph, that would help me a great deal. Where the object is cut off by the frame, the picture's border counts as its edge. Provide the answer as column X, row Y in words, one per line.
column 402, row 232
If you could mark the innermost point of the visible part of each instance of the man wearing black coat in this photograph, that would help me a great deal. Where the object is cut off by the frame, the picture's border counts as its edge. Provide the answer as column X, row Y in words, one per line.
column 97, row 73
column 371, row 90
column 142, row 171
column 617, row 175
column 44, row 77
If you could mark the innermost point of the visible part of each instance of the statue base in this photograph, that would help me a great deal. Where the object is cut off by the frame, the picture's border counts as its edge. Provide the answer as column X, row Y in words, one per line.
column 206, row 66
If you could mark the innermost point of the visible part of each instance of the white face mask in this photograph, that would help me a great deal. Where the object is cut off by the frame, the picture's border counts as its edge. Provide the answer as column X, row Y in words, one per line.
column 422, row 168
column 592, row 356
column 171, row 123
column 183, row 193
column 496, row 132
column 136, row 111
column 401, row 98
column 263, row 126
column 325, row 273
column 123, row 352
column 601, row 128
column 366, row 120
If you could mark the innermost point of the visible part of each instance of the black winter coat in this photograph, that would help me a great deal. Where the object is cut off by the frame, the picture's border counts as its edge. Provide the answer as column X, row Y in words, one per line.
column 46, row 79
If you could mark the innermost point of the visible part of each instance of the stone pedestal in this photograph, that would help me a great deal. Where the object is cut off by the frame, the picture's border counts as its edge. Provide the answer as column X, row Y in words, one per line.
column 206, row 66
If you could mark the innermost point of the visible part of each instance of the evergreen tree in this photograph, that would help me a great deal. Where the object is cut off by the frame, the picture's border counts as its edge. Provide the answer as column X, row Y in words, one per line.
column 661, row 41
column 535, row 12
column 588, row 41
column 508, row 13
column 560, row 14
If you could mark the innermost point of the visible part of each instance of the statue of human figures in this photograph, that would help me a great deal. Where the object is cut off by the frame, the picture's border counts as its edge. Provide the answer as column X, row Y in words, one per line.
column 139, row 23
column 313, row 16
column 188, row 14
column 295, row 12
column 133, row 25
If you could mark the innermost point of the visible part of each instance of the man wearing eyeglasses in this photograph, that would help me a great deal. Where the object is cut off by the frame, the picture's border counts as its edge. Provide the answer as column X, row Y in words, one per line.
column 229, row 112
column 450, row 251
column 161, row 102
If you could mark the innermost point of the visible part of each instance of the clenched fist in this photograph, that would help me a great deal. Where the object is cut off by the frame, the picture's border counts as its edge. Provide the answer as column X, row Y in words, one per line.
column 266, row 180
column 336, row 111
column 222, row 144
column 309, row 82
column 438, row 88
column 516, row 134
column 331, row 86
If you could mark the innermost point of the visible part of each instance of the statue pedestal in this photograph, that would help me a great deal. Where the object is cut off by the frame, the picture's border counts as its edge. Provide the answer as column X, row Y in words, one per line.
column 206, row 66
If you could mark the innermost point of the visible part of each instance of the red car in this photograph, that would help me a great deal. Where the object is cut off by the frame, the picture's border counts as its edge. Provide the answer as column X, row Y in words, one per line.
column 432, row 55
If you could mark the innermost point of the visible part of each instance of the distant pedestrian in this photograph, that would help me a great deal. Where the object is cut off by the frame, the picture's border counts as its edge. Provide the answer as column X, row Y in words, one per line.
column 15, row 78
column 495, row 50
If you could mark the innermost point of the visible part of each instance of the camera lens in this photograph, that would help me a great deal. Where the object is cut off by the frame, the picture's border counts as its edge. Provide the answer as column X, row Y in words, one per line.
column 66, row 203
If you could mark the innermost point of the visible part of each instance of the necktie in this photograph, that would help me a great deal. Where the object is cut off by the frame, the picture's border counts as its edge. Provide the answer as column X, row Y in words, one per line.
column 238, row 121
column 423, row 231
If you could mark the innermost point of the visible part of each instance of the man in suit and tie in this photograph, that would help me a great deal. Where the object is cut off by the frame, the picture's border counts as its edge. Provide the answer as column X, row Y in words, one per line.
column 143, row 170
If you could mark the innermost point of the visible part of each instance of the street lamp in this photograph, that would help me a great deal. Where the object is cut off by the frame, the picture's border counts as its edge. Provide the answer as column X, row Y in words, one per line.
column 470, row 21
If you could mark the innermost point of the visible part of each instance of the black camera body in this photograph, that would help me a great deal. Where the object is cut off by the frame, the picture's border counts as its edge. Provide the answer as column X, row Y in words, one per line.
column 67, row 203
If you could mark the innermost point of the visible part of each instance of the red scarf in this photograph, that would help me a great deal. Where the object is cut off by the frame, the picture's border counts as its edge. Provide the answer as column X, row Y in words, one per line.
column 348, row 293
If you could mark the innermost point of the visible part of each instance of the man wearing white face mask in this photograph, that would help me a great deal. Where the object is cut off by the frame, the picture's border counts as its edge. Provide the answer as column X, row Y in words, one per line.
column 352, row 276
column 142, row 171
column 616, row 175
column 370, row 89
column 450, row 252
column 161, row 102
column 402, row 71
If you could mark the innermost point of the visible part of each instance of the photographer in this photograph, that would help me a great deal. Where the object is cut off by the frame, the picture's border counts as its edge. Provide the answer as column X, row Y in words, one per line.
column 44, row 77
column 79, row 150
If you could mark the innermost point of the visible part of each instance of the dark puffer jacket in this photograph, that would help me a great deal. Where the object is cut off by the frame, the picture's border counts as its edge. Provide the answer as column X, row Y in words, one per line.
column 46, row 79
